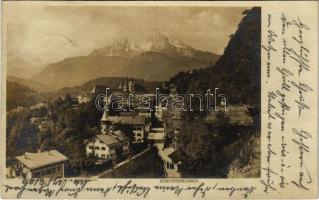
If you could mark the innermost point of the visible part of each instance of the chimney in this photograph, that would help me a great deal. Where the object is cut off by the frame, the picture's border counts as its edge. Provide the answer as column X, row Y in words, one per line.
column 25, row 155
column 49, row 152
column 39, row 150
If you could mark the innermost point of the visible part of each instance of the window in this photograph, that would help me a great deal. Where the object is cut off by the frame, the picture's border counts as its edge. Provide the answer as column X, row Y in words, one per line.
column 37, row 174
column 53, row 170
column 91, row 147
column 171, row 165
column 102, row 148
column 103, row 155
column 59, row 168
column 48, row 171
column 97, row 148
column 42, row 173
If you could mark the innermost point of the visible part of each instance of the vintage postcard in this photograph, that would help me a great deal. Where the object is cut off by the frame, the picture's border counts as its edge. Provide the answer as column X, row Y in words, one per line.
column 159, row 100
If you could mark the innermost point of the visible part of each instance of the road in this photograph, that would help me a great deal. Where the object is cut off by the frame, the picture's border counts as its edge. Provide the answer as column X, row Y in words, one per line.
column 121, row 163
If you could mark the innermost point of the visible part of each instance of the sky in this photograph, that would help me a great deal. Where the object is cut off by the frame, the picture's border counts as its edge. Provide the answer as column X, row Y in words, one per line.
column 38, row 34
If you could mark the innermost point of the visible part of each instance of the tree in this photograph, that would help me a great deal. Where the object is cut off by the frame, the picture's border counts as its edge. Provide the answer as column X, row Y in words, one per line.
column 196, row 145
column 139, row 88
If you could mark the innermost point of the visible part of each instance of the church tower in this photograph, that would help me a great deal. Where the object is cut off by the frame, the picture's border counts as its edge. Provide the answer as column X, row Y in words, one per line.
column 131, row 86
column 105, row 122
column 125, row 86
column 121, row 85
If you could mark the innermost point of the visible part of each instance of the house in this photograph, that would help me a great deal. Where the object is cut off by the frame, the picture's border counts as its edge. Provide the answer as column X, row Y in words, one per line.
column 108, row 146
column 46, row 125
column 172, row 124
column 147, row 113
column 35, row 120
column 39, row 106
column 170, row 165
column 133, row 113
column 166, row 155
column 138, row 124
column 98, row 89
column 156, row 135
column 75, row 102
column 45, row 164
column 159, row 113
column 127, row 85
column 18, row 109
column 235, row 115
column 176, row 158
column 84, row 98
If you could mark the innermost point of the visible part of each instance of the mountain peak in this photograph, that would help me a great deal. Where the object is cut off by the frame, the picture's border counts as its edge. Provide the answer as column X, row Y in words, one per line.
column 159, row 35
column 121, row 47
column 166, row 40
column 123, row 40
column 159, row 41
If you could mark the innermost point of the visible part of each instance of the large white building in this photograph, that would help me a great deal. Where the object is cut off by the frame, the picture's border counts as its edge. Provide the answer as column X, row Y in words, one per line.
column 108, row 146
column 44, row 164
column 139, row 125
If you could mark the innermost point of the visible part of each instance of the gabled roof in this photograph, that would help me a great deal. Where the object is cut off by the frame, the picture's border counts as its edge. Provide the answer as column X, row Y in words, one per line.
column 105, row 116
column 99, row 89
column 41, row 159
column 128, row 113
column 237, row 115
column 175, row 156
column 112, row 138
column 133, row 120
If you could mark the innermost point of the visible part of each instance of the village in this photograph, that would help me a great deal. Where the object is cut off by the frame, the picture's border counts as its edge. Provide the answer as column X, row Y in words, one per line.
column 123, row 136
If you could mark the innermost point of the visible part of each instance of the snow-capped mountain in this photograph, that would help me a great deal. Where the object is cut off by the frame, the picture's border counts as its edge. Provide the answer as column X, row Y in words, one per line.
column 121, row 47
column 157, row 59
column 160, row 42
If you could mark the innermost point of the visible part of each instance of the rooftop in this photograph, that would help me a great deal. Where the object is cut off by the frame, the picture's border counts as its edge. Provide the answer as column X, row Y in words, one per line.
column 112, row 138
column 156, row 135
column 136, row 120
column 41, row 159
column 99, row 89
column 238, row 115
column 175, row 156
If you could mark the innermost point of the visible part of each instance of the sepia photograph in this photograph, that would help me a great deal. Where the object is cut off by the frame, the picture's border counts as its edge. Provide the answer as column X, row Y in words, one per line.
column 132, row 91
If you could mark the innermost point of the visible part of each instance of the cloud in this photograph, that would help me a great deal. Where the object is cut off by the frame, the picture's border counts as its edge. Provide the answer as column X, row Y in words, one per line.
column 42, row 34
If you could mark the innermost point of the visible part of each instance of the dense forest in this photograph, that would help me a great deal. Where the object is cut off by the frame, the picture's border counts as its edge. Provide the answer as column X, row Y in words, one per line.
column 66, row 130
column 206, row 149
column 21, row 95
column 237, row 72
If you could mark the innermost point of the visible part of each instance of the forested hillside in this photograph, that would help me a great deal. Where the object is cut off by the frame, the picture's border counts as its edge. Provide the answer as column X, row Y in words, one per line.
column 206, row 149
column 237, row 72
column 21, row 95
